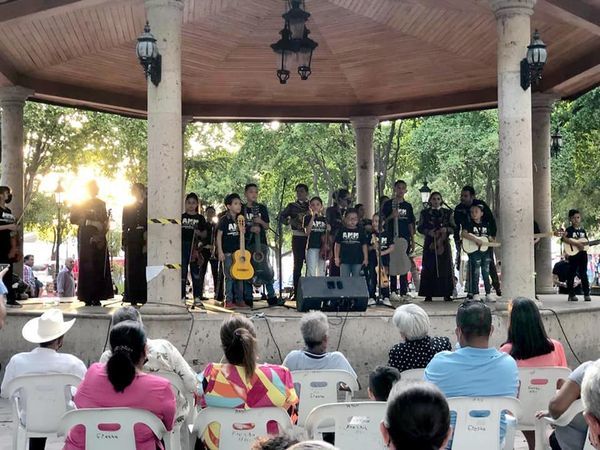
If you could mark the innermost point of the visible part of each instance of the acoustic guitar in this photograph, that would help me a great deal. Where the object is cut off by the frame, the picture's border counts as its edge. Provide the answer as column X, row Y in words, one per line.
column 382, row 276
column 399, row 260
column 472, row 247
column 571, row 250
column 242, row 269
column 263, row 272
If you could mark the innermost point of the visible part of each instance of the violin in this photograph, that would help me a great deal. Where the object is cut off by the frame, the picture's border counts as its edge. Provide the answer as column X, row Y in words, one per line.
column 438, row 245
column 325, row 251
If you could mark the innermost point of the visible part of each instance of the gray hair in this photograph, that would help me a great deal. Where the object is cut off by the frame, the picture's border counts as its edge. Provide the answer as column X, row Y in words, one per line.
column 314, row 328
column 126, row 313
column 412, row 321
column 590, row 390
column 312, row 445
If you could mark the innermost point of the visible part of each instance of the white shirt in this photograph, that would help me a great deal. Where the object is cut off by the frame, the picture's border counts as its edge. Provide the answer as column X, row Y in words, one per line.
column 41, row 360
column 304, row 360
column 162, row 355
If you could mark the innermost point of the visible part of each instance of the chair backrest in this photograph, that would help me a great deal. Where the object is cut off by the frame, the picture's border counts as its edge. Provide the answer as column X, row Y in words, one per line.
column 45, row 398
column 356, row 424
column 412, row 375
column 100, row 435
column 565, row 419
column 477, row 423
column 239, row 428
column 537, row 386
column 318, row 387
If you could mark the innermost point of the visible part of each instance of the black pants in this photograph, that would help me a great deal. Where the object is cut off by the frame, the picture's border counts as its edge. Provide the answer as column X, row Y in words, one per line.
column 578, row 266
column 203, row 268
column 299, row 253
column 494, row 273
column 37, row 443
column 403, row 284
column 217, row 267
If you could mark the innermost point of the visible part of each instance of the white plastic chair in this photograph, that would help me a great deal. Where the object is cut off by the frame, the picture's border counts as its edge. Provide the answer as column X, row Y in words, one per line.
column 319, row 387
column 537, row 386
column 541, row 430
column 121, row 439
column 477, row 423
column 412, row 375
column 38, row 403
column 239, row 428
column 182, row 429
column 356, row 424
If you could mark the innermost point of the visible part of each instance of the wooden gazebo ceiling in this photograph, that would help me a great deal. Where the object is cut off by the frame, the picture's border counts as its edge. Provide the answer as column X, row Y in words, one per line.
column 389, row 58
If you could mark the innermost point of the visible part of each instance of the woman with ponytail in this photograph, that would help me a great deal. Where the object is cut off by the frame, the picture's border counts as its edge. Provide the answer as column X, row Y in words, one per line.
column 240, row 382
column 121, row 383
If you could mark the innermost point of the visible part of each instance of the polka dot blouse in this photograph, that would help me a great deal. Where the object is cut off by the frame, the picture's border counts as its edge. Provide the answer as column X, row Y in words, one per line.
column 417, row 354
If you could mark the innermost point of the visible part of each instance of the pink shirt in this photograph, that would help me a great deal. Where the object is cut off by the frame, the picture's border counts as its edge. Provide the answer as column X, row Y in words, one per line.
column 555, row 358
column 147, row 392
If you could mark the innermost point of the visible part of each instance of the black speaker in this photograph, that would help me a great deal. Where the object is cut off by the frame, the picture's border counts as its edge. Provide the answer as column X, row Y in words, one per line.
column 332, row 294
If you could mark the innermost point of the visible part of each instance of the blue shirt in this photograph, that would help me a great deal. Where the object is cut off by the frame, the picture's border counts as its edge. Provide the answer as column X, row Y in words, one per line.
column 474, row 372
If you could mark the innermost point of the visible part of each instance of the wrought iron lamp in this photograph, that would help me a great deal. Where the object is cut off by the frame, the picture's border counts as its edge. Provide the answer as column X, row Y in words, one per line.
column 425, row 192
column 284, row 50
column 555, row 143
column 533, row 65
column 147, row 52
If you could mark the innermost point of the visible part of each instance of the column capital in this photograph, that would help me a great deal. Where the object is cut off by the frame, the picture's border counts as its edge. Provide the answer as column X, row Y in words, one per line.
column 542, row 101
column 14, row 94
column 503, row 8
column 163, row 4
column 364, row 122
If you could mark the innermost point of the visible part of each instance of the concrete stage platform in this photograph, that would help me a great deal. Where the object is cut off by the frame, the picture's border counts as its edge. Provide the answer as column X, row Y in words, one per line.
column 365, row 338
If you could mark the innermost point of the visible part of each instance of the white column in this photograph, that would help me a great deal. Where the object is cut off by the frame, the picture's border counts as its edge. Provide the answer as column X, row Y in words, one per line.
column 514, row 119
column 365, row 173
column 542, row 189
column 12, row 101
column 165, row 151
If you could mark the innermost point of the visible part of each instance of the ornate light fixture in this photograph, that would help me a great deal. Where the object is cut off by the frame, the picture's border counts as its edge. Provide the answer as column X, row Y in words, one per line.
column 533, row 65
column 147, row 52
column 294, row 42
column 556, row 143
column 425, row 192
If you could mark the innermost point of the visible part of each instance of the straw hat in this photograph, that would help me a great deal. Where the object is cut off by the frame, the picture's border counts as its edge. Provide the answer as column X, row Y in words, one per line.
column 51, row 325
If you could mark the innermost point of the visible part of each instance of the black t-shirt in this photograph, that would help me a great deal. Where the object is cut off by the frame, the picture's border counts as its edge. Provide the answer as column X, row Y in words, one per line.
column 6, row 218
column 481, row 229
column 561, row 270
column 335, row 216
column 231, row 234
column 351, row 242
column 462, row 216
column 191, row 223
column 386, row 240
column 319, row 228
column 576, row 233
column 255, row 210
column 406, row 217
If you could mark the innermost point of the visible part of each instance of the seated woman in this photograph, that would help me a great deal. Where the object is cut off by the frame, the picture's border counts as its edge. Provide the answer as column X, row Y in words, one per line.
column 418, row 347
column 241, row 382
column 417, row 417
column 161, row 356
column 529, row 344
column 314, row 327
column 527, row 341
column 122, row 383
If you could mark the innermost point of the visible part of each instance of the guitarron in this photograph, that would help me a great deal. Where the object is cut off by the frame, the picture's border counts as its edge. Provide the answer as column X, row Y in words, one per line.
column 241, row 268
column 399, row 260
column 263, row 272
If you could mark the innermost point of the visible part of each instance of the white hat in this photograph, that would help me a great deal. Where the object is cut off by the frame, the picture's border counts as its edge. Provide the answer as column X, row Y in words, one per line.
column 51, row 325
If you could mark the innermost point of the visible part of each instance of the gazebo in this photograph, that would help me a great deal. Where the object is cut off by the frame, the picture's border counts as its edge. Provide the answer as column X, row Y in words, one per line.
column 376, row 60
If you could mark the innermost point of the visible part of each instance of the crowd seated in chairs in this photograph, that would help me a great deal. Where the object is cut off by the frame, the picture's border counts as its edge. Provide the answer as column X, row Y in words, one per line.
column 239, row 400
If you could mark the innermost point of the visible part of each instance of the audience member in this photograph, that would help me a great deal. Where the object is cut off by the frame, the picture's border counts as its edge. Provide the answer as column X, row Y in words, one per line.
column 160, row 355
column 241, row 382
column 279, row 442
column 475, row 369
column 381, row 382
column 417, row 418
column 314, row 327
column 527, row 340
column 572, row 436
column 28, row 278
column 48, row 331
column 65, row 282
column 312, row 445
column 3, row 292
column 590, row 394
column 418, row 348
column 122, row 383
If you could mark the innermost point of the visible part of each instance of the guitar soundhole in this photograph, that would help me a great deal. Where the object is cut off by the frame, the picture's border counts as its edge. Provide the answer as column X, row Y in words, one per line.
column 258, row 257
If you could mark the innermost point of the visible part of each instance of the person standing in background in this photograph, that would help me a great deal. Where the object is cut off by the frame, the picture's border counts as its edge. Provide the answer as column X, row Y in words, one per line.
column 65, row 282
column 134, row 241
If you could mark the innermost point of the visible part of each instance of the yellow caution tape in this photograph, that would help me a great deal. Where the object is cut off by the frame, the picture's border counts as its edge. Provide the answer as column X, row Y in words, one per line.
column 165, row 221
column 173, row 266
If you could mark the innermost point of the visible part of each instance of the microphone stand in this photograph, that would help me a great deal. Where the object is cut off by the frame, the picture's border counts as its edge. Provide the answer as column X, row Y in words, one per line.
column 280, row 240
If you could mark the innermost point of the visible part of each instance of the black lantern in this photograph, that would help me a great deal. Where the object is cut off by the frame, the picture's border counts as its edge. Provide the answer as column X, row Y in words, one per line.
column 284, row 49
column 147, row 52
column 306, row 46
column 533, row 65
column 296, row 18
column 425, row 192
column 556, row 143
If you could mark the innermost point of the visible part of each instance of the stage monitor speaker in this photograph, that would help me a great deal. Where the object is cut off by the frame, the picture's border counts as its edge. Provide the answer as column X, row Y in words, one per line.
column 332, row 294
